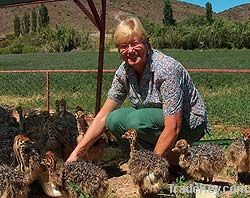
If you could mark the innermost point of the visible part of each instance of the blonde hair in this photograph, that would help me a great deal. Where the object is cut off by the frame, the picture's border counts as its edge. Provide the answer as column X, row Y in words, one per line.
column 128, row 29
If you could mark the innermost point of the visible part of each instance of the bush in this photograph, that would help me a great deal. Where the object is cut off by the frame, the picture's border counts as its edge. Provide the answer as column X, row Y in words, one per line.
column 190, row 39
column 4, row 43
column 16, row 48
column 30, row 49
column 195, row 32
column 4, row 50
column 60, row 39
column 85, row 41
column 10, row 37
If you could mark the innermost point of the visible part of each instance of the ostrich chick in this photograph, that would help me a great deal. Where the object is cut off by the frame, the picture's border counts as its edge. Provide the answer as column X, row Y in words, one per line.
column 202, row 161
column 62, row 131
column 239, row 152
column 149, row 171
column 28, row 157
column 84, row 120
column 89, row 178
column 30, row 164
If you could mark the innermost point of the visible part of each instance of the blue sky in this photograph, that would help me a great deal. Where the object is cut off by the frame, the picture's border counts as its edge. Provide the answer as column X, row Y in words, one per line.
column 218, row 5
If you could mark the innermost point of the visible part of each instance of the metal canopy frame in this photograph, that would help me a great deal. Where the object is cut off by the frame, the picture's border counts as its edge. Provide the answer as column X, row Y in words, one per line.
column 99, row 20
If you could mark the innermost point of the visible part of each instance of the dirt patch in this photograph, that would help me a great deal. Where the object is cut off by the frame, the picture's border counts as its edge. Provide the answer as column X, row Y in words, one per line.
column 228, row 128
column 121, row 186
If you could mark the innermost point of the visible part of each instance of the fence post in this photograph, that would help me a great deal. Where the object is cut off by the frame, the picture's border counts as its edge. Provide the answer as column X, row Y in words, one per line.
column 47, row 90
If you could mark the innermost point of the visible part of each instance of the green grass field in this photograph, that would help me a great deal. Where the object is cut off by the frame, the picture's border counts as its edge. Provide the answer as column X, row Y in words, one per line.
column 226, row 95
column 88, row 60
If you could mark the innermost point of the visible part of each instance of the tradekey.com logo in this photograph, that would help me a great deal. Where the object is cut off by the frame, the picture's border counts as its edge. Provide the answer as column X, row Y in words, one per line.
column 214, row 189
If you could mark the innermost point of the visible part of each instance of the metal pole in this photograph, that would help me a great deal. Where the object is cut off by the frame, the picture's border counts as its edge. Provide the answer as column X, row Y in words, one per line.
column 47, row 90
column 101, row 58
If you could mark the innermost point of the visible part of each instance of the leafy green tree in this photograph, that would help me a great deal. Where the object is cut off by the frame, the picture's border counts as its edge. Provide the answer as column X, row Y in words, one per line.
column 17, row 25
column 43, row 16
column 34, row 20
column 209, row 12
column 168, row 13
column 26, row 23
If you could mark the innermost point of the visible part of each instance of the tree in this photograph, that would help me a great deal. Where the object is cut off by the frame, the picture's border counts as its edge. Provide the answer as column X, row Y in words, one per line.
column 43, row 17
column 26, row 23
column 209, row 12
column 17, row 25
column 34, row 20
column 168, row 13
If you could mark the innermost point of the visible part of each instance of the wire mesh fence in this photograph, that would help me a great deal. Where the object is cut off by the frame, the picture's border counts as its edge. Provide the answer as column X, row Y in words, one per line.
column 40, row 88
column 226, row 94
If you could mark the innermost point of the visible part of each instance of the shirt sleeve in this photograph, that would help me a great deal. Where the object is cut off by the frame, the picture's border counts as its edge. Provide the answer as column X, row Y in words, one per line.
column 172, row 94
column 118, row 92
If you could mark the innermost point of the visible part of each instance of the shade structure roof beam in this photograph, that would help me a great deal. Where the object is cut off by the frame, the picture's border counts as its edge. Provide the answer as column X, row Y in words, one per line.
column 88, row 14
column 95, row 13
column 99, row 22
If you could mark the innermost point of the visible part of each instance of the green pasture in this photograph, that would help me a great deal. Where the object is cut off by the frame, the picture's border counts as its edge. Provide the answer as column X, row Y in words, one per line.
column 220, row 58
column 226, row 95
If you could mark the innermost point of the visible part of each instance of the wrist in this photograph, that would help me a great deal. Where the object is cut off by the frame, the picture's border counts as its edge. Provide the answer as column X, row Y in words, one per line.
column 74, row 156
column 158, row 152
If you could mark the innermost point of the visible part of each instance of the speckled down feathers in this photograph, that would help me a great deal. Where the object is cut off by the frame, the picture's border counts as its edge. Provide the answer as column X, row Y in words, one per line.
column 35, row 126
column 145, row 162
column 239, row 152
column 29, row 155
column 204, row 160
column 8, row 130
column 12, row 183
column 62, row 131
column 6, row 140
column 90, row 178
column 148, row 171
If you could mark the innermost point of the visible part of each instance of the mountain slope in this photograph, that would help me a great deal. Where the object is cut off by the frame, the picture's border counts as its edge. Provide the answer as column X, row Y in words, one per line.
column 238, row 13
column 68, row 13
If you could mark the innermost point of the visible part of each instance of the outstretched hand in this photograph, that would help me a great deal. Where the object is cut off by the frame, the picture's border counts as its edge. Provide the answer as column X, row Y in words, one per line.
column 71, row 158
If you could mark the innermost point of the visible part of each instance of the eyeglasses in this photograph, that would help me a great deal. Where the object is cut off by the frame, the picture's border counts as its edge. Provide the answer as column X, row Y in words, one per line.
column 134, row 44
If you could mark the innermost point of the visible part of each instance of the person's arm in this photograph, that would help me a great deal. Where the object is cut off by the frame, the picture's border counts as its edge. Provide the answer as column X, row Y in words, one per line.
column 169, row 134
column 172, row 93
column 94, row 131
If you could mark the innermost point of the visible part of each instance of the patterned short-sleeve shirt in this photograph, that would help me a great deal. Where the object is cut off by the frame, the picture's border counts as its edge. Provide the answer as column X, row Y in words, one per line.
column 164, row 84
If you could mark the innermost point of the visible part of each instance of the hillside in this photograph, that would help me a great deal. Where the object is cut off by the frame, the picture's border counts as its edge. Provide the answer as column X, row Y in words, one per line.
column 238, row 13
column 67, row 12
